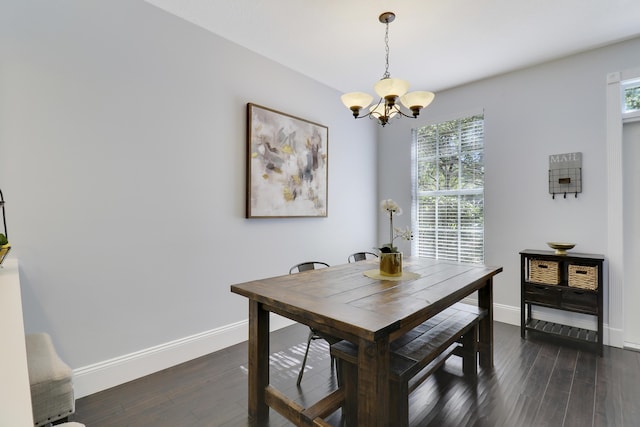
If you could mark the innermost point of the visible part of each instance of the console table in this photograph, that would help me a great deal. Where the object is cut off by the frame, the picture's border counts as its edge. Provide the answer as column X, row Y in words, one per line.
column 571, row 282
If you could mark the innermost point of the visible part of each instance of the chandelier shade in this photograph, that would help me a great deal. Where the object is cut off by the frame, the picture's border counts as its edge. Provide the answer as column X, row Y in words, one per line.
column 382, row 113
column 389, row 90
column 415, row 101
column 388, row 87
column 355, row 101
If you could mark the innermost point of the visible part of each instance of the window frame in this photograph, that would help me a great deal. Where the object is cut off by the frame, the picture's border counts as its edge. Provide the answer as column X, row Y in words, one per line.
column 439, row 193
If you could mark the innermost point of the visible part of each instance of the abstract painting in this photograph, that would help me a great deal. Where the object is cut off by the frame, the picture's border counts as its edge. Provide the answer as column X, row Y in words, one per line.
column 286, row 165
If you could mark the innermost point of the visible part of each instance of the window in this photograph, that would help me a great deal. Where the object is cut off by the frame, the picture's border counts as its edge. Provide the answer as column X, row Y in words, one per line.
column 631, row 96
column 448, row 182
column 631, row 100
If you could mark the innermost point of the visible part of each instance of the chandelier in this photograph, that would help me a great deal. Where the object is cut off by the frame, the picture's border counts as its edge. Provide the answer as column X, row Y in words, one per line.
column 389, row 90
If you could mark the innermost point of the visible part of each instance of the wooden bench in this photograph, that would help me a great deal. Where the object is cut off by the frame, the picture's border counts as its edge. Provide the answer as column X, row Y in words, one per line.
column 414, row 357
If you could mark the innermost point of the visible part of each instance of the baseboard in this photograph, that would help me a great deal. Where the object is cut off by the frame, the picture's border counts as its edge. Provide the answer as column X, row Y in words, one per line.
column 614, row 337
column 119, row 370
column 506, row 314
column 501, row 313
column 631, row 346
column 511, row 315
column 110, row 373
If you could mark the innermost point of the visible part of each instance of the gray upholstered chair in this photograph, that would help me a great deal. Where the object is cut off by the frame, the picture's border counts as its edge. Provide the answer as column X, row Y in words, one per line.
column 51, row 383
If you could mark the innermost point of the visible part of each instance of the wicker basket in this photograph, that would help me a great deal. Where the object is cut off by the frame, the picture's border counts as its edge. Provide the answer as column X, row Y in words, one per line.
column 546, row 272
column 583, row 277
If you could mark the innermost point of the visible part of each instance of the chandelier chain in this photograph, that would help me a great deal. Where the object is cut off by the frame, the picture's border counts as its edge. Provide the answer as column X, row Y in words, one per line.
column 386, row 74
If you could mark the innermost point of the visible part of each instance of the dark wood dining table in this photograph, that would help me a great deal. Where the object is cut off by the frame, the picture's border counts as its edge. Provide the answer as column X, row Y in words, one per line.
column 344, row 302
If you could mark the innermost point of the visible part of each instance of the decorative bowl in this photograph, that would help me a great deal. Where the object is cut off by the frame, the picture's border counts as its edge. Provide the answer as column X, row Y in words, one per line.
column 561, row 248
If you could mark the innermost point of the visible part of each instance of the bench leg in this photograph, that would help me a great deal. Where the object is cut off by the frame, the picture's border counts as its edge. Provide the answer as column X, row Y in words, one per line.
column 348, row 378
column 399, row 403
column 470, row 353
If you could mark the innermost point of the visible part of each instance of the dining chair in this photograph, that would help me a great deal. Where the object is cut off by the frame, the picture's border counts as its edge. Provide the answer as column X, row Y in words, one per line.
column 313, row 334
column 309, row 265
column 361, row 256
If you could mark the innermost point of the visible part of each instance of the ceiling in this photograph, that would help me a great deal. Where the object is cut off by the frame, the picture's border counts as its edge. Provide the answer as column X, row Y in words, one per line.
column 434, row 44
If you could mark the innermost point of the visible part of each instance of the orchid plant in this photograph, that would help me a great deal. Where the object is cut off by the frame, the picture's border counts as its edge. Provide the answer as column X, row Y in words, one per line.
column 391, row 208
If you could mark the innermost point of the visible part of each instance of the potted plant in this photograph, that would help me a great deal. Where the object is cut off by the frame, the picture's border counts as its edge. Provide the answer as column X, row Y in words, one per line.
column 390, row 256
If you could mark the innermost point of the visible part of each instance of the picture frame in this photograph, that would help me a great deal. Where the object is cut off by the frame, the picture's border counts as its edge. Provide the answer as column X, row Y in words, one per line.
column 287, row 165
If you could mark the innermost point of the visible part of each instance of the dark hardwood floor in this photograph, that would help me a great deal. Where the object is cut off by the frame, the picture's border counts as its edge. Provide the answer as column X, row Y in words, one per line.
column 535, row 382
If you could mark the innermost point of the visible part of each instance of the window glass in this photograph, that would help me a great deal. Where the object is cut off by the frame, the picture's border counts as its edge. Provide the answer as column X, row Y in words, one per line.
column 449, row 190
column 631, row 96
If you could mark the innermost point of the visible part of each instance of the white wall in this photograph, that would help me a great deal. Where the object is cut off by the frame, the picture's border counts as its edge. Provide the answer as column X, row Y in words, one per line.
column 122, row 161
column 553, row 108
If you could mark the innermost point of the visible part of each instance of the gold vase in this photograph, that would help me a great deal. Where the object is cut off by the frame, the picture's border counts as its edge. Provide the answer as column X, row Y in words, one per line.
column 4, row 250
column 391, row 264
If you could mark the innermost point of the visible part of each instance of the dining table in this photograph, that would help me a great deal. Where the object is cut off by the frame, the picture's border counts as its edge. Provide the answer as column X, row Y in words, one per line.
column 354, row 302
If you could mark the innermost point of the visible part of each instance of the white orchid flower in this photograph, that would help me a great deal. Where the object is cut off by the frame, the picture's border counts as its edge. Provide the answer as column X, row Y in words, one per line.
column 404, row 233
column 391, row 207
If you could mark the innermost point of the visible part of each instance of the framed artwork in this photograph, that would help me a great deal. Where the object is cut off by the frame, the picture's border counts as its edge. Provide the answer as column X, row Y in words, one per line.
column 286, row 165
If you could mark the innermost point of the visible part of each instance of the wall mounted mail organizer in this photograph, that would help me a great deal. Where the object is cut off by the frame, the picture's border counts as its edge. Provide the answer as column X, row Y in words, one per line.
column 565, row 174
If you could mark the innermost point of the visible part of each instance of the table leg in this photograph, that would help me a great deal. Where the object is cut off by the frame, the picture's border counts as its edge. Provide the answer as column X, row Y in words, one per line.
column 485, row 300
column 373, row 383
column 258, row 363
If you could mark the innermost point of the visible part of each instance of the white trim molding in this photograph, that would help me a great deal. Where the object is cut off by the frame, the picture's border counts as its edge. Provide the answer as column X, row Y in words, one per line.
column 615, row 206
column 119, row 370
